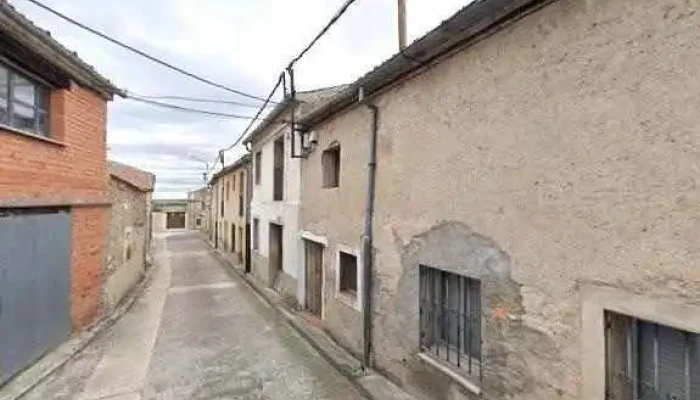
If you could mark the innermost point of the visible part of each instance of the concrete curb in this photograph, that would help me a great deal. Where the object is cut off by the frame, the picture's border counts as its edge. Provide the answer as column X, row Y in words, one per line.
column 371, row 384
column 32, row 376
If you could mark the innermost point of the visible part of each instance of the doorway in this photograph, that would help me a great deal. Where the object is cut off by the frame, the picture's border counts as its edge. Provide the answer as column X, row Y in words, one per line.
column 246, row 248
column 216, row 234
column 313, row 256
column 276, row 255
column 233, row 238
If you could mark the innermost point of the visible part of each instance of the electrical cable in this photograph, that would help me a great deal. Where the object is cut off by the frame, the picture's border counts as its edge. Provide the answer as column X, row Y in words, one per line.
column 192, row 110
column 325, row 29
column 245, row 132
column 194, row 100
column 142, row 53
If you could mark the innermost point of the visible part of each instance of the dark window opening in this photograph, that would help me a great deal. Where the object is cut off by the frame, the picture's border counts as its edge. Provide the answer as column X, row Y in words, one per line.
column 24, row 104
column 648, row 361
column 198, row 221
column 331, row 167
column 258, row 167
column 256, row 233
column 450, row 320
column 233, row 238
column 348, row 274
column 278, row 171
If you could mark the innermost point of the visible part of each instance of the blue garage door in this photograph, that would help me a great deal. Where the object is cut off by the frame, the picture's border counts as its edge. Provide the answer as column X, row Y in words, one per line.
column 34, row 285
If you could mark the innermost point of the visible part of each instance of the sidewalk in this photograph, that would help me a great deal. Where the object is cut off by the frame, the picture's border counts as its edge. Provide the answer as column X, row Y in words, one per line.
column 372, row 384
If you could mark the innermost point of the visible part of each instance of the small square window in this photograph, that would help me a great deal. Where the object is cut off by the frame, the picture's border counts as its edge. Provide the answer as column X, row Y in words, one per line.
column 331, row 166
column 348, row 274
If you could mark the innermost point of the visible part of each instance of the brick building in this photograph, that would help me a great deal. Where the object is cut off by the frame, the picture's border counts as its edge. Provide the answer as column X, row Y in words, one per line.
column 54, row 208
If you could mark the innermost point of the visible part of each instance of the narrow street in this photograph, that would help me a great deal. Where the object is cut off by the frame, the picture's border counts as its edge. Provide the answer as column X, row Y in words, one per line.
column 197, row 332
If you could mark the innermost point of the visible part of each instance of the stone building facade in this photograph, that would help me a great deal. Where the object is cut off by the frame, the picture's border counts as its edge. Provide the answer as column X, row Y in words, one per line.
column 130, row 193
column 197, row 210
column 543, row 156
column 275, row 204
column 230, row 189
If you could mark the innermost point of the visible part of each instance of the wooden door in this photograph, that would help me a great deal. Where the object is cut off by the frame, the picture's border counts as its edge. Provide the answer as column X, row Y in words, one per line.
column 314, row 277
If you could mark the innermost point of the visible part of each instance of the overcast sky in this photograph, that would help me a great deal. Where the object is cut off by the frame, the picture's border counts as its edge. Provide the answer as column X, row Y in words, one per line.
column 243, row 44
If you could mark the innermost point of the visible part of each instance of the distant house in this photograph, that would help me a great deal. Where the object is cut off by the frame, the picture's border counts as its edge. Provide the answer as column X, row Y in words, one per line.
column 276, row 246
column 536, row 208
column 130, row 192
column 169, row 214
column 198, row 210
column 230, row 189
column 54, row 204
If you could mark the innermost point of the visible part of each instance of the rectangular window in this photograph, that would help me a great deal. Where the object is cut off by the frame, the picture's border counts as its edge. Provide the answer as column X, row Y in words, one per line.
column 278, row 171
column 450, row 320
column 228, row 190
column 233, row 238
column 648, row 361
column 258, row 167
column 330, row 159
column 198, row 221
column 24, row 104
column 241, row 203
column 256, row 233
column 348, row 274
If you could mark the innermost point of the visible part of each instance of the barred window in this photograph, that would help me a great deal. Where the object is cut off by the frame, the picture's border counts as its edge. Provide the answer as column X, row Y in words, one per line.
column 649, row 361
column 450, row 320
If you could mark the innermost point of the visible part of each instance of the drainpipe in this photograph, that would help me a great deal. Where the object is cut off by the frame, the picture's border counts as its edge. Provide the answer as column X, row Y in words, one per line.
column 367, row 239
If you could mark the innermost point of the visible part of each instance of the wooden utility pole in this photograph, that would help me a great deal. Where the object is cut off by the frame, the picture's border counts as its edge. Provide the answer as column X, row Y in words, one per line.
column 402, row 23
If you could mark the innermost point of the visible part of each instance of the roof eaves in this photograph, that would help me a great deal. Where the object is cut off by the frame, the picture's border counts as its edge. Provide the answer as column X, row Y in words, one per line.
column 269, row 120
column 231, row 167
column 466, row 24
column 40, row 41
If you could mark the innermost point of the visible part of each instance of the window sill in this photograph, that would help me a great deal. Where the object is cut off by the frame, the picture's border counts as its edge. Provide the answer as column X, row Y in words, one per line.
column 464, row 382
column 348, row 300
column 31, row 135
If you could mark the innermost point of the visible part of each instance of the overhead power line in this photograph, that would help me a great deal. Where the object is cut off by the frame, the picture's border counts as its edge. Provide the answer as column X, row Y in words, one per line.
column 257, row 115
column 191, row 110
column 250, row 125
column 195, row 100
column 325, row 29
column 142, row 53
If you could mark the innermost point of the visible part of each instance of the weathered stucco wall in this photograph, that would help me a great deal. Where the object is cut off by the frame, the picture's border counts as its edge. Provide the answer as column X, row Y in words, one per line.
column 285, row 212
column 231, row 182
column 128, row 240
column 558, row 152
column 159, row 220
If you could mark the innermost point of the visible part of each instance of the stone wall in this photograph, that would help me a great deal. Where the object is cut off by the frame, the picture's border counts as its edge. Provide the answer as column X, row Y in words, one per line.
column 558, row 152
column 128, row 240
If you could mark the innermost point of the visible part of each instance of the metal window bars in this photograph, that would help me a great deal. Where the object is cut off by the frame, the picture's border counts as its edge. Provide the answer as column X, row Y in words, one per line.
column 450, row 320
column 648, row 361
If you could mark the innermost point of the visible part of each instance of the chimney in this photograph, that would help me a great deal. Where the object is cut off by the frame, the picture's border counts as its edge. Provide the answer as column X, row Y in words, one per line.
column 402, row 23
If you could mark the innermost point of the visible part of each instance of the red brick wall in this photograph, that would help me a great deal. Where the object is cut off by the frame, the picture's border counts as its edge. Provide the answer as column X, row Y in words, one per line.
column 73, row 170
column 87, row 257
